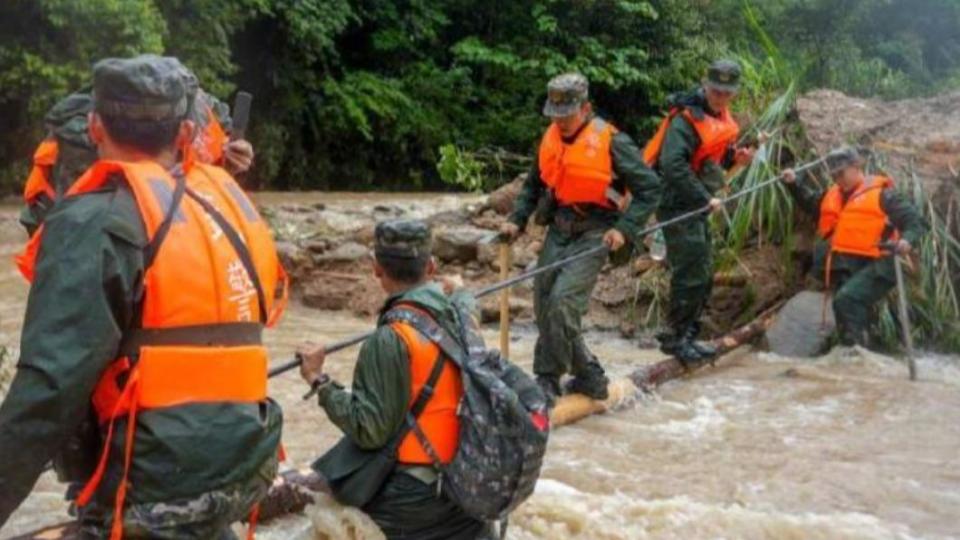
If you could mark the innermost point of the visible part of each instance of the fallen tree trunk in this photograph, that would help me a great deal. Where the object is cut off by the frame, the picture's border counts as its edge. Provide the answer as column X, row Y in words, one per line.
column 575, row 407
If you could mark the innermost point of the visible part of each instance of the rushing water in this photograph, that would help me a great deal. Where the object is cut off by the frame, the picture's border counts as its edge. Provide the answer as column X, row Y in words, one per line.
column 761, row 447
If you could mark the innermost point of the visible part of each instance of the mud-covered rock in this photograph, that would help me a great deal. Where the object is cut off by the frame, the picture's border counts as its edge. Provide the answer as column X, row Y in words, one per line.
column 502, row 199
column 345, row 252
column 459, row 244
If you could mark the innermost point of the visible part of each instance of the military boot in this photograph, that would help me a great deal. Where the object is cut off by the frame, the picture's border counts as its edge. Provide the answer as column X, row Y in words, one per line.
column 706, row 350
column 592, row 382
column 550, row 384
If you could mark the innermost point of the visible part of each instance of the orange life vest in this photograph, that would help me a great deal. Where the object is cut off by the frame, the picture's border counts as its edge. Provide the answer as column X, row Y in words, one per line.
column 580, row 172
column 202, row 315
column 716, row 135
column 857, row 226
column 438, row 421
column 208, row 146
column 38, row 183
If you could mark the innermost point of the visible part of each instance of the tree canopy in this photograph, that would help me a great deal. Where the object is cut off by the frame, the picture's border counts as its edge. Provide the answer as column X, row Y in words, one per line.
column 362, row 94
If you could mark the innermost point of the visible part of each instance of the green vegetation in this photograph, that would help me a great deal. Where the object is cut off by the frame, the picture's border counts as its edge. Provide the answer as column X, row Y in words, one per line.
column 364, row 93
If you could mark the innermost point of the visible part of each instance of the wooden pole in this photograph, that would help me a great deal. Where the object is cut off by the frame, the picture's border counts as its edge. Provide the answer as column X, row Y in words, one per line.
column 905, row 317
column 505, row 262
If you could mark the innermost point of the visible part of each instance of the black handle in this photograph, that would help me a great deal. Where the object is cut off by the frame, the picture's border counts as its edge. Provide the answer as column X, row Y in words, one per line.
column 241, row 115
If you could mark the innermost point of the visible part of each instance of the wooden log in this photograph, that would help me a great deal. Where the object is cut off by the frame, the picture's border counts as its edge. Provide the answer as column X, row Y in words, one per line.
column 505, row 300
column 574, row 407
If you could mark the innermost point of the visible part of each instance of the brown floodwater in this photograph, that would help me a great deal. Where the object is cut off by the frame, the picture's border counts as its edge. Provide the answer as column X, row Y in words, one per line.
column 762, row 447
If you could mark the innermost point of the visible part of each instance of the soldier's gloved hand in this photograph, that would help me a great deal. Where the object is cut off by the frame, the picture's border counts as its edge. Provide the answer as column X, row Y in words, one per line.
column 312, row 356
column 238, row 156
column 904, row 247
column 788, row 176
column 614, row 239
column 716, row 204
column 743, row 156
column 509, row 231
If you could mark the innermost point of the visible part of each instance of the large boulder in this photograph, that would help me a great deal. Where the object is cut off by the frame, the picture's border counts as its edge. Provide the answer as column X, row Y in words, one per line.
column 803, row 327
column 459, row 244
column 502, row 199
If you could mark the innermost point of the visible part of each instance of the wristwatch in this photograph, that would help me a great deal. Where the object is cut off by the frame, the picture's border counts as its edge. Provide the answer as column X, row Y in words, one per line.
column 317, row 384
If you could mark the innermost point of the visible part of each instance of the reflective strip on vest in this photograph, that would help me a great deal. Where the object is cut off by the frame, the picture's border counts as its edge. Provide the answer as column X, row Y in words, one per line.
column 580, row 172
column 439, row 420
column 856, row 227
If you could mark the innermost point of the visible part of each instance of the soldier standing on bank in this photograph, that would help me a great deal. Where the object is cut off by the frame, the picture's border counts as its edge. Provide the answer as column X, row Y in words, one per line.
column 578, row 187
column 855, row 215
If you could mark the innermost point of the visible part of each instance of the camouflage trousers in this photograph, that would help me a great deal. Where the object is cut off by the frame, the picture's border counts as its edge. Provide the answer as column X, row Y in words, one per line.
column 857, row 288
column 207, row 517
column 690, row 256
column 561, row 299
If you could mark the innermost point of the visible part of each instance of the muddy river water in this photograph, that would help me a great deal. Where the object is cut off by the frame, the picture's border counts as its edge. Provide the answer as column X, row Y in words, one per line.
column 762, row 447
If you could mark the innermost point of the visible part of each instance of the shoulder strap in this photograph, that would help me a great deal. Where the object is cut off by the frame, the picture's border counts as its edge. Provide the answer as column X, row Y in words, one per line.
column 429, row 328
column 239, row 246
column 423, row 397
column 150, row 252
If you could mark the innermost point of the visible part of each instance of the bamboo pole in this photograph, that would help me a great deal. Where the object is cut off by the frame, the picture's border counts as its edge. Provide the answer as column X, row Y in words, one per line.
column 505, row 253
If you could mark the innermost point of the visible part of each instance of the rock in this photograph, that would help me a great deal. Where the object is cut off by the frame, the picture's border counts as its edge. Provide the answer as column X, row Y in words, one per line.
column 798, row 330
column 291, row 255
column 502, row 199
column 458, row 244
column 490, row 309
column 345, row 252
column 317, row 246
column 319, row 296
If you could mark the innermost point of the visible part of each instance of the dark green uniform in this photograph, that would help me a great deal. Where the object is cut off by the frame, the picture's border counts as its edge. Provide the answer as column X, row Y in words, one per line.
column 689, row 246
column 407, row 505
column 85, row 297
column 858, row 283
column 563, row 297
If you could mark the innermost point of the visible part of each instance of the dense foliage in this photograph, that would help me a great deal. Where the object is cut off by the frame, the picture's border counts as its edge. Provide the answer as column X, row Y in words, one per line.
column 364, row 93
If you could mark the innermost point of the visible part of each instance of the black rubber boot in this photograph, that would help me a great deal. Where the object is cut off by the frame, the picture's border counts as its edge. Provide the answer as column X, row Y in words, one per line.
column 687, row 353
column 706, row 350
column 550, row 384
column 592, row 382
column 668, row 342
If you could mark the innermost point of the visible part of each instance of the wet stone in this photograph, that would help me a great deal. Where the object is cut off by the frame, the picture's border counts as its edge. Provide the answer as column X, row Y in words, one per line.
column 798, row 330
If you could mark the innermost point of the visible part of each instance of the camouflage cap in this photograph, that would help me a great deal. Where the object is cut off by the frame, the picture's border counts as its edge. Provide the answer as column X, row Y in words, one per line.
column 723, row 75
column 403, row 238
column 841, row 158
column 145, row 87
column 565, row 94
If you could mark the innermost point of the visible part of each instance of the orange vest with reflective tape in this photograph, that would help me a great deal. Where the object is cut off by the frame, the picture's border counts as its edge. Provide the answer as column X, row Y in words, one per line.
column 580, row 172
column 38, row 183
column 716, row 133
column 857, row 226
column 439, row 420
column 199, row 336
column 208, row 146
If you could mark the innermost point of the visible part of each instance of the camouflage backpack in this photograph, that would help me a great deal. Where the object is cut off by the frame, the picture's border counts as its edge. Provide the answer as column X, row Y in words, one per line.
column 503, row 422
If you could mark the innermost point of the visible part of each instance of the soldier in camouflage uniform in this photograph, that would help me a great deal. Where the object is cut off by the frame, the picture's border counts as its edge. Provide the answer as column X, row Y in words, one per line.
column 89, row 290
column 408, row 504
column 693, row 173
column 858, row 281
column 66, row 124
column 582, row 171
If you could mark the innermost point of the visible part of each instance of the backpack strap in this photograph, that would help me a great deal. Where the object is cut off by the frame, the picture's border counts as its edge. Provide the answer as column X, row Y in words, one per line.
column 428, row 328
column 449, row 348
